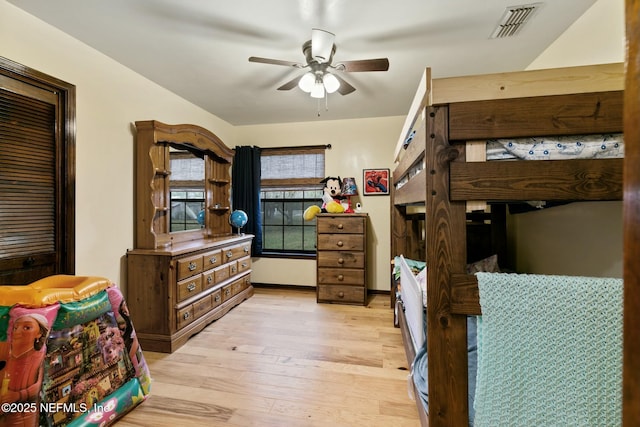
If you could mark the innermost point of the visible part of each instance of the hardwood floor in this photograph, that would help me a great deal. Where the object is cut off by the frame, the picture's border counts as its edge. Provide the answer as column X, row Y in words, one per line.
column 280, row 359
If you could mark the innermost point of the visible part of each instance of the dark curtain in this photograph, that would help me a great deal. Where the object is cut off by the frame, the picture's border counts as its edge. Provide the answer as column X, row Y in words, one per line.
column 245, row 191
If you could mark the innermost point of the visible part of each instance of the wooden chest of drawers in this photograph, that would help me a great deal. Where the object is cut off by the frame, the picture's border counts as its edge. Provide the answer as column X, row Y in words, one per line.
column 174, row 293
column 341, row 258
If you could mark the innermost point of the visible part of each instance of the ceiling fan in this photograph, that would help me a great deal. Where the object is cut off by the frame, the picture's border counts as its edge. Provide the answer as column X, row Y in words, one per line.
column 321, row 77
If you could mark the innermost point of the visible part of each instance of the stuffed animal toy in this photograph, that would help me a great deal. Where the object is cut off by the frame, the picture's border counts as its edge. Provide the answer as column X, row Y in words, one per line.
column 332, row 194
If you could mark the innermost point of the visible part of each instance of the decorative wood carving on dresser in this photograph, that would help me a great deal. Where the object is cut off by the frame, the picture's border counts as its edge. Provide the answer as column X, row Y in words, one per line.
column 341, row 258
column 187, row 268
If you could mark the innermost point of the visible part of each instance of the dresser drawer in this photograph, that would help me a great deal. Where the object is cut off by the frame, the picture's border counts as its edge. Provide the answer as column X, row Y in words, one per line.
column 208, row 279
column 232, row 253
column 190, row 287
column 339, row 259
column 341, row 224
column 216, row 298
column 189, row 266
column 244, row 264
column 343, row 276
column 211, row 259
column 344, row 294
column 185, row 316
column 221, row 273
column 202, row 306
column 343, row 242
column 240, row 285
column 227, row 292
column 233, row 268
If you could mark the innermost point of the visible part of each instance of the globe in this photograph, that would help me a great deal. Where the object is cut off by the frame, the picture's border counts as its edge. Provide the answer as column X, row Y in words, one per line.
column 238, row 219
column 200, row 218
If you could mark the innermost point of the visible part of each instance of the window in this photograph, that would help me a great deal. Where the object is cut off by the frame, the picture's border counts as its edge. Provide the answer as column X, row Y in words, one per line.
column 290, row 183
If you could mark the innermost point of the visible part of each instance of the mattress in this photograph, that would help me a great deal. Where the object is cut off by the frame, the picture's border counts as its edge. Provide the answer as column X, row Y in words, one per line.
column 598, row 146
column 413, row 297
column 601, row 146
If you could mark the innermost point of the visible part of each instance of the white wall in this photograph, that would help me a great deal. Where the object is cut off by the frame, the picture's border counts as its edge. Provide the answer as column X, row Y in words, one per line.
column 109, row 98
column 581, row 238
column 356, row 145
column 596, row 38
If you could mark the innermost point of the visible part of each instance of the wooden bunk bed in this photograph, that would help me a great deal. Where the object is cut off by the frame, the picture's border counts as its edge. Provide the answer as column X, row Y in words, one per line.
column 429, row 209
column 631, row 339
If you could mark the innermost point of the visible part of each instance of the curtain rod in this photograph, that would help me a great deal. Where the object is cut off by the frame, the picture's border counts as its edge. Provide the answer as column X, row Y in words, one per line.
column 297, row 147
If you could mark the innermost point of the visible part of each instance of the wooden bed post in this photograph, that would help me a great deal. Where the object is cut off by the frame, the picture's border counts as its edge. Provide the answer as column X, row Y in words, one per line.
column 446, row 255
column 631, row 368
column 398, row 240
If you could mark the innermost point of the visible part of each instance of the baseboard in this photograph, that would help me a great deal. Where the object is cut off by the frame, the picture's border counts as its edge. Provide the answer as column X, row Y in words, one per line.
column 281, row 286
column 308, row 288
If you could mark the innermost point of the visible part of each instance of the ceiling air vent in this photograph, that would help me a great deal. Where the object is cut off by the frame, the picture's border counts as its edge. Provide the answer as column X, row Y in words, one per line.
column 513, row 19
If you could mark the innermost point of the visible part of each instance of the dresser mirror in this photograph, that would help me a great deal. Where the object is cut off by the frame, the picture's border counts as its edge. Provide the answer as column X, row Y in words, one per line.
column 186, row 188
column 183, row 180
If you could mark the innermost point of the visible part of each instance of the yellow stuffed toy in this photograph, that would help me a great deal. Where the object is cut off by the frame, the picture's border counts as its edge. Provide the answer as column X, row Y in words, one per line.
column 330, row 199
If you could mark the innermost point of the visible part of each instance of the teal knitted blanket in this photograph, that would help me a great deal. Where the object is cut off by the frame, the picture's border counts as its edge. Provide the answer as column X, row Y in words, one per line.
column 549, row 351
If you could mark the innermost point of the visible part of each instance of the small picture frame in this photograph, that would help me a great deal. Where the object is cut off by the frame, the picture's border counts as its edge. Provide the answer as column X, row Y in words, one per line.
column 375, row 182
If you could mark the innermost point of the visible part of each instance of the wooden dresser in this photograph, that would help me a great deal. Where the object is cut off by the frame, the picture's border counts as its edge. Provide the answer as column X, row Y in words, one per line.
column 187, row 267
column 174, row 293
column 341, row 258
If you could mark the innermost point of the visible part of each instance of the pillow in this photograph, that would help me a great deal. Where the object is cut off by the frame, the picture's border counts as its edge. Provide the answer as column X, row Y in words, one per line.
column 487, row 265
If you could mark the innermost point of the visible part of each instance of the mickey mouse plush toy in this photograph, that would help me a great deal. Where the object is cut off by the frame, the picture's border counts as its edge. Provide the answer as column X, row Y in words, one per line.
column 330, row 199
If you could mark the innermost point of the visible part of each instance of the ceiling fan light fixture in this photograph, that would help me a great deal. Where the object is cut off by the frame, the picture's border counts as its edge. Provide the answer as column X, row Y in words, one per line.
column 318, row 90
column 331, row 83
column 321, row 45
column 307, row 82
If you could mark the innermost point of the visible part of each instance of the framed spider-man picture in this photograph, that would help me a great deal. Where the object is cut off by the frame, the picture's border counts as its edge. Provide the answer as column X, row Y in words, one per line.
column 375, row 182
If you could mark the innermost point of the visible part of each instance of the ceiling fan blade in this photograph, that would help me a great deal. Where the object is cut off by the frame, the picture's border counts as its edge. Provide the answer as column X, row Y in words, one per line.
column 321, row 45
column 290, row 84
column 380, row 64
column 275, row 62
column 345, row 88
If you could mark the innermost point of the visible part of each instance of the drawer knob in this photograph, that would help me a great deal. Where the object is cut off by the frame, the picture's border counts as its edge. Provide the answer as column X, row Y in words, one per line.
column 233, row 269
column 209, row 279
column 213, row 260
column 185, row 316
column 340, row 277
column 340, row 260
column 229, row 254
column 340, row 294
column 192, row 266
column 191, row 287
column 340, row 226
column 244, row 265
column 340, row 244
column 217, row 298
column 227, row 292
column 246, row 249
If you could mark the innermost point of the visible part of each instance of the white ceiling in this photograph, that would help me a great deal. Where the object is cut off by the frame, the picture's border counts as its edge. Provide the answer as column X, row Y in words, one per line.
column 199, row 49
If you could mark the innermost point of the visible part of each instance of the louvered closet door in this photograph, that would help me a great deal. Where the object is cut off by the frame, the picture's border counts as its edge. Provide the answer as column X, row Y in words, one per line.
column 28, row 182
